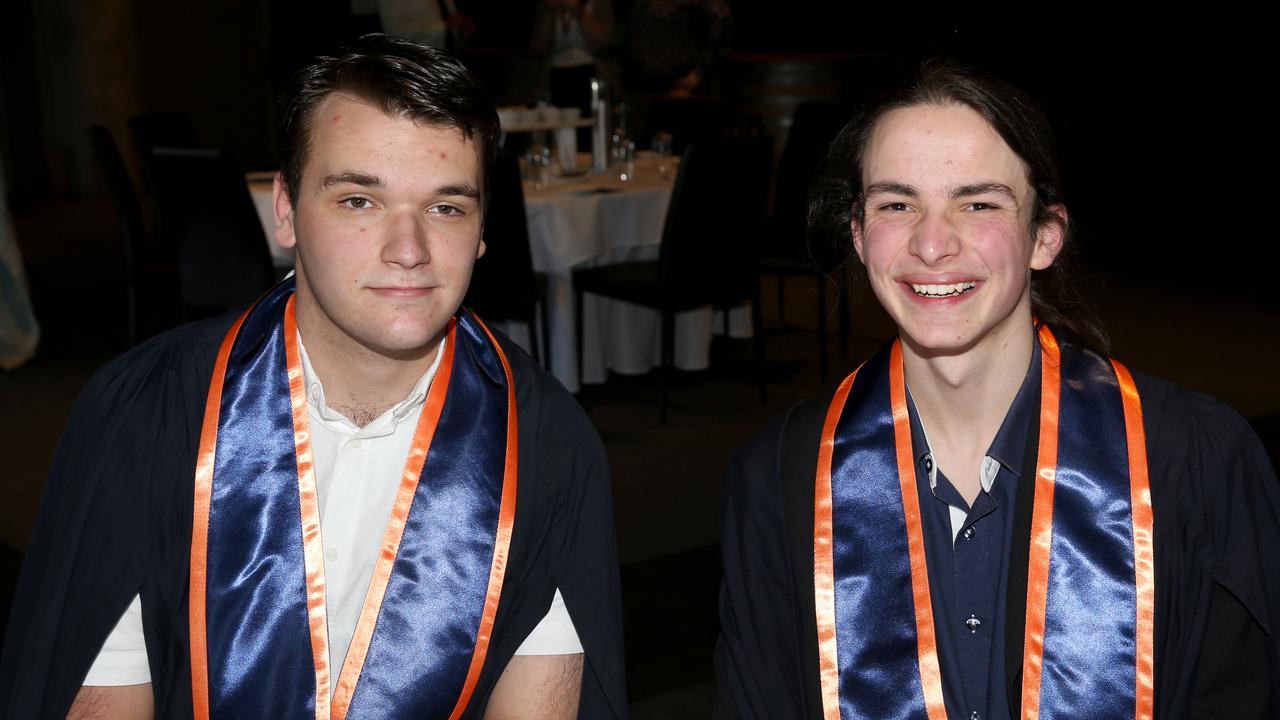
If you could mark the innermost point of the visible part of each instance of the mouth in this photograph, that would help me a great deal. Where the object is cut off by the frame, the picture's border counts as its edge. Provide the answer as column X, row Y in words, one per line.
column 402, row 292
column 942, row 291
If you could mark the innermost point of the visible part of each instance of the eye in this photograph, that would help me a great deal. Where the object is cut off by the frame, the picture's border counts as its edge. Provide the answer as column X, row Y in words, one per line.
column 447, row 210
column 894, row 207
column 357, row 203
column 982, row 206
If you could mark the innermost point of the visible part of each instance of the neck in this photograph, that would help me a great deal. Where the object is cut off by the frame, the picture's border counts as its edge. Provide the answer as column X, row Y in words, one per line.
column 358, row 382
column 962, row 399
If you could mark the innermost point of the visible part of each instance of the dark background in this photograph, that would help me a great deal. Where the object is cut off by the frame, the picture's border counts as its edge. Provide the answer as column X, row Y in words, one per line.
column 1160, row 120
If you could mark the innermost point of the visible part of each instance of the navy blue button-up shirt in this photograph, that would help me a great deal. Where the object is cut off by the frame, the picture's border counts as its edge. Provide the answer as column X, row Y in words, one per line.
column 968, row 561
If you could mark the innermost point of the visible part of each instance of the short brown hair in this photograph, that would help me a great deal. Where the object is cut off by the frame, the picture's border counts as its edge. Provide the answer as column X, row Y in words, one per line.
column 400, row 78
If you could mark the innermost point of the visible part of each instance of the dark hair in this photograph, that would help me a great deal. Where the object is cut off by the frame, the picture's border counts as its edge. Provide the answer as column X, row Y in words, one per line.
column 837, row 196
column 400, row 78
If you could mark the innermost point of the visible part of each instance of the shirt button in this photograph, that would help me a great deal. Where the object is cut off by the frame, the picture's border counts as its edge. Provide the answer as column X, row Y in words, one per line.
column 968, row 532
column 928, row 463
column 357, row 443
column 331, row 554
column 974, row 715
column 973, row 623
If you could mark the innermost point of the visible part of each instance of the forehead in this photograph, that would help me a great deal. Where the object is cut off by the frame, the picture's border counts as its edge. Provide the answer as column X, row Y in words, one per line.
column 347, row 132
column 940, row 146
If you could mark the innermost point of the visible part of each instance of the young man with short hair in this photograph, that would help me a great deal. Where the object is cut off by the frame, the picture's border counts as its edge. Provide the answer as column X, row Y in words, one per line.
column 352, row 498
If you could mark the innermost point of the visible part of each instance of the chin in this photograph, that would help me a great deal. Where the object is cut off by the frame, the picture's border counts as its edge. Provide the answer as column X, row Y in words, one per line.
column 407, row 345
column 939, row 341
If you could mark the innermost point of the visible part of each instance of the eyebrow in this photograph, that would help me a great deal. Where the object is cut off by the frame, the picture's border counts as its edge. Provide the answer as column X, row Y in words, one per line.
column 894, row 188
column 352, row 177
column 466, row 190
column 984, row 189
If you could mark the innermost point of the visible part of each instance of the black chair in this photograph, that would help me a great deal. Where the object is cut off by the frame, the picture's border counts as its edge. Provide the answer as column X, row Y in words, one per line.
column 207, row 214
column 166, row 129
column 695, row 120
column 145, row 268
column 503, row 284
column 709, row 252
column 813, row 127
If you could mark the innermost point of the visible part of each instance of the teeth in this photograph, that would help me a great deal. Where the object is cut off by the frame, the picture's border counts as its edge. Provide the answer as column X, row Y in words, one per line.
column 942, row 290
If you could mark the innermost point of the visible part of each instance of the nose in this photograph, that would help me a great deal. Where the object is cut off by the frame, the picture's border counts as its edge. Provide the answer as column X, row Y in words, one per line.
column 407, row 243
column 934, row 239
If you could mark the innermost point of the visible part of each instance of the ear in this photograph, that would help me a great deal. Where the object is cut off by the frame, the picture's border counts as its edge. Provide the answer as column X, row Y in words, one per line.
column 1050, row 238
column 480, row 250
column 855, row 229
column 285, row 234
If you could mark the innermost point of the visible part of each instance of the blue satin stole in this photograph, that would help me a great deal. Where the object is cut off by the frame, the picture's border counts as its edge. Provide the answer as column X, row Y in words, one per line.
column 429, row 633
column 885, row 667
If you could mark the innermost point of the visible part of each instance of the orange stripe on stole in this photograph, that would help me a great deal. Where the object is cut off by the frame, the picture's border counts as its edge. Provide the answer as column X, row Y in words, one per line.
column 308, row 501
column 824, row 586
column 418, row 450
column 1143, row 543
column 205, row 459
column 1041, row 525
column 502, row 542
column 926, row 639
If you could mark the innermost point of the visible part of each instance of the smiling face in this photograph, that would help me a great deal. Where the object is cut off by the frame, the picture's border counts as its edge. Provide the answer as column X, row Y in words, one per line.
column 946, row 232
column 386, row 227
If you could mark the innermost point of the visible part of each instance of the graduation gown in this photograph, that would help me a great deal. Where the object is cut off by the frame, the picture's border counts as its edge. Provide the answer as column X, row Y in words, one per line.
column 116, row 521
column 1216, row 504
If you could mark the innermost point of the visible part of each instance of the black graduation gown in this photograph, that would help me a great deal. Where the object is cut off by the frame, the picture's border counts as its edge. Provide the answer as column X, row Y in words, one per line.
column 116, row 521
column 1216, row 503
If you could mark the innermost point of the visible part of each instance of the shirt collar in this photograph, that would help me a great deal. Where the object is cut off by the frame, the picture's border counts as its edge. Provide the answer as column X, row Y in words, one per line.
column 1009, row 445
column 413, row 401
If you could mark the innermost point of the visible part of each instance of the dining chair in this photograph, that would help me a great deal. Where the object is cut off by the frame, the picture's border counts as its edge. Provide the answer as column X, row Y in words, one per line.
column 146, row 270
column 693, row 120
column 504, row 285
column 207, row 215
column 163, row 129
column 785, row 253
column 709, row 249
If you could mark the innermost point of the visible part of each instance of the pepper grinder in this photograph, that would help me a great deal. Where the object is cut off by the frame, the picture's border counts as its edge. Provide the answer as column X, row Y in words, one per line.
column 600, row 131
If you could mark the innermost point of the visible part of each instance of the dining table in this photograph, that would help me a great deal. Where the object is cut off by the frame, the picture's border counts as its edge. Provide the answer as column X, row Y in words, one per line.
column 577, row 218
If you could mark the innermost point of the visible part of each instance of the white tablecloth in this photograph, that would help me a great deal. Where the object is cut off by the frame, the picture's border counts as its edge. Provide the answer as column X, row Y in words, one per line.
column 572, row 224
column 582, row 221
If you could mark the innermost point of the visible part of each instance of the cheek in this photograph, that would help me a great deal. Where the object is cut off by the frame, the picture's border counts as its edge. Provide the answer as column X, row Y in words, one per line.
column 882, row 243
column 1001, row 246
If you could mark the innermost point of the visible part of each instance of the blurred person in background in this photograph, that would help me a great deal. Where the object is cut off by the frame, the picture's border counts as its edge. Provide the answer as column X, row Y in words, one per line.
column 19, row 331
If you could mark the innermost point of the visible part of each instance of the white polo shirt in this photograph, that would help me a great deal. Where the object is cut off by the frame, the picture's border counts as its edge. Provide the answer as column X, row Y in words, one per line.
column 357, row 476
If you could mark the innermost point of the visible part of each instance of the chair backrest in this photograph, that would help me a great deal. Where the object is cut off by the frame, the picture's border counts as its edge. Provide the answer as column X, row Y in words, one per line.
column 710, row 240
column 123, row 197
column 689, row 120
column 813, row 127
column 502, row 284
column 206, row 212
column 166, row 129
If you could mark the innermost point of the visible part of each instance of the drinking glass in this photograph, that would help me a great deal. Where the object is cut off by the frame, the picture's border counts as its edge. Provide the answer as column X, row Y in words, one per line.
column 662, row 145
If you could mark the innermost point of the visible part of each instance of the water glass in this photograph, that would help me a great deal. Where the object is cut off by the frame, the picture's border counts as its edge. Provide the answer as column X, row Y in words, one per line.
column 537, row 166
column 662, row 145
column 624, row 159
